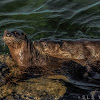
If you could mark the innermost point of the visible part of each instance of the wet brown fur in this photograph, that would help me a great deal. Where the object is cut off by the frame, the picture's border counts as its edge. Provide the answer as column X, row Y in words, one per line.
column 27, row 56
column 83, row 51
column 44, row 56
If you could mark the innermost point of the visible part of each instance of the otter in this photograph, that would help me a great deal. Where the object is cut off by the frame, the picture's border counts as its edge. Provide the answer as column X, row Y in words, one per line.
column 27, row 56
column 45, row 56
column 83, row 51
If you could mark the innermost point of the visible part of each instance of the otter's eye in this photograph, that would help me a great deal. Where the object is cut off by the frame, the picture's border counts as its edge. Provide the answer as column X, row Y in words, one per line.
column 45, row 45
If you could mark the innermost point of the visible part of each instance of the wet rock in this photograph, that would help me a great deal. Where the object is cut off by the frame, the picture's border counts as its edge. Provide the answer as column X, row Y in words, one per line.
column 38, row 89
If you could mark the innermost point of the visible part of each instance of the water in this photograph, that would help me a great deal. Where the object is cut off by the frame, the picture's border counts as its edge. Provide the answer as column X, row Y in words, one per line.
column 54, row 19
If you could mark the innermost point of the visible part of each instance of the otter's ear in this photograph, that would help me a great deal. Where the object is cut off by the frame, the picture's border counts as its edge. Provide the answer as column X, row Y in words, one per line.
column 25, row 36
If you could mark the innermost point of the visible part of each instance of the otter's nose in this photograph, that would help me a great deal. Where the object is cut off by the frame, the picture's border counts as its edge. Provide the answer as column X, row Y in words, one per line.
column 7, row 33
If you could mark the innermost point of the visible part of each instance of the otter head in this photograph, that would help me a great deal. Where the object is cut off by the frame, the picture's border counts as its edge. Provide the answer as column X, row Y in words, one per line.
column 47, row 47
column 14, row 38
column 16, row 41
column 58, row 49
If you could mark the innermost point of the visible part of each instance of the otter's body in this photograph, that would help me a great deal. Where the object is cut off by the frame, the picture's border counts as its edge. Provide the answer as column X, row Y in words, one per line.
column 48, row 55
column 83, row 51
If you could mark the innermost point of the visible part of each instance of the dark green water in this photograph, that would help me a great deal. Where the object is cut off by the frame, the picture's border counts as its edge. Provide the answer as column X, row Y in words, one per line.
column 51, row 18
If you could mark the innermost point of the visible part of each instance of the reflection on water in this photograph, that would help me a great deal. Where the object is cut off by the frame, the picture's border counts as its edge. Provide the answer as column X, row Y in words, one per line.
column 55, row 19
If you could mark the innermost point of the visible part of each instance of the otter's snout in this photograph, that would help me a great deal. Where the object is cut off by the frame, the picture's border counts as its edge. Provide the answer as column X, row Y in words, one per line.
column 6, row 33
